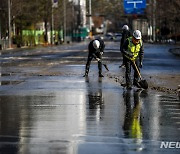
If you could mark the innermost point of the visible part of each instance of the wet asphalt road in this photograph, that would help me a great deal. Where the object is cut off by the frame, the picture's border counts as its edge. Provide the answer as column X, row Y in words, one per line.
column 46, row 106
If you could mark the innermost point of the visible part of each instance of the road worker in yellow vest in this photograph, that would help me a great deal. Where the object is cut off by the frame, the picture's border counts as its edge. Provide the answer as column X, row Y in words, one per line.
column 133, row 50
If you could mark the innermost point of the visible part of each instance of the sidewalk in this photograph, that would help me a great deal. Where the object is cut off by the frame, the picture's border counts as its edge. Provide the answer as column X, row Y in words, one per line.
column 14, row 48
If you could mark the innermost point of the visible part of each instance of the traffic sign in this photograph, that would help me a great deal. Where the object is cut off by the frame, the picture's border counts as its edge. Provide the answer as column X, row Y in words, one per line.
column 134, row 11
column 135, row 4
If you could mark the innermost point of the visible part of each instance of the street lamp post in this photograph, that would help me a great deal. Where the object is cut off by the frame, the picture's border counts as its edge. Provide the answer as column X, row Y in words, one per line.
column 64, row 3
column 52, row 22
column 9, row 23
column 79, row 21
column 52, row 26
column 154, row 20
column 0, row 29
column 90, row 15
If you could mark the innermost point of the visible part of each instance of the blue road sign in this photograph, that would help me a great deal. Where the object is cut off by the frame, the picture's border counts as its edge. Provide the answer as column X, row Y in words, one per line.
column 134, row 6
column 134, row 11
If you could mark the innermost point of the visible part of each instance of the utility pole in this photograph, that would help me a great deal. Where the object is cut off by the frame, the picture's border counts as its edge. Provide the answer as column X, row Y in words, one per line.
column 64, row 3
column 90, row 16
column 0, row 32
column 52, row 25
column 154, row 20
column 79, row 21
column 9, row 23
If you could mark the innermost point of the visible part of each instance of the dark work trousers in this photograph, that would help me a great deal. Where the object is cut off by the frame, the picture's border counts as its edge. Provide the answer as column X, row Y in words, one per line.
column 90, row 57
column 123, row 63
column 129, row 64
column 123, row 58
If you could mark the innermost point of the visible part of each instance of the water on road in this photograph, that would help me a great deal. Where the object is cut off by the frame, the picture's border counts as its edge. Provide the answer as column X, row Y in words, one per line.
column 50, row 108
column 72, row 114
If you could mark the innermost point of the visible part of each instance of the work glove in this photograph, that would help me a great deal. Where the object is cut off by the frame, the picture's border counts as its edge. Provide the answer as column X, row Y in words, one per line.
column 128, row 54
column 101, row 53
column 140, row 65
column 98, row 59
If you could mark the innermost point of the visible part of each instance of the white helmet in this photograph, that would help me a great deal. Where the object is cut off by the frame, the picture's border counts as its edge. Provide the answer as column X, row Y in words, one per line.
column 125, row 27
column 96, row 44
column 137, row 34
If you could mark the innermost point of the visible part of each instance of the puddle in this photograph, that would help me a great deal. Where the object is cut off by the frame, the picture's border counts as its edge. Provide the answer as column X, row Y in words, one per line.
column 2, row 83
column 92, row 115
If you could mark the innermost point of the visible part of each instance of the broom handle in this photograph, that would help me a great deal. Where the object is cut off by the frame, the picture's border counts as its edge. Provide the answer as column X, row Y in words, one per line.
column 137, row 69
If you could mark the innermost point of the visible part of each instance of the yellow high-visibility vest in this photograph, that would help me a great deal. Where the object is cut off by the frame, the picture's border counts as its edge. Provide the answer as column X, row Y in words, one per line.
column 133, row 49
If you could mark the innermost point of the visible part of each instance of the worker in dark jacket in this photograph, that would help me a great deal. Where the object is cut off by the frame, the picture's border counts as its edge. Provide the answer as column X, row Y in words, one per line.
column 133, row 52
column 125, row 35
column 96, row 50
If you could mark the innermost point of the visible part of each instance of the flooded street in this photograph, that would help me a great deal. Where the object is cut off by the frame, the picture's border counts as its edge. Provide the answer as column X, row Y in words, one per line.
column 46, row 106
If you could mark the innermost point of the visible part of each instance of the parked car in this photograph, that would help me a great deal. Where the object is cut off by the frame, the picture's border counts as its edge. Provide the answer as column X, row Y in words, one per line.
column 108, row 37
column 117, row 37
column 99, row 37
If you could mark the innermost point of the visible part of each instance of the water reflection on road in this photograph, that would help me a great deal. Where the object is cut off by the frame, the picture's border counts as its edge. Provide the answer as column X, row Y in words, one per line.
column 132, row 120
column 77, row 115
column 95, row 99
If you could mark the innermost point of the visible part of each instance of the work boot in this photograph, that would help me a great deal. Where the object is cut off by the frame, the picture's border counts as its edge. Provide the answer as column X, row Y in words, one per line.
column 122, row 65
column 85, row 75
column 86, row 72
column 100, row 75
column 123, row 84
column 128, row 87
